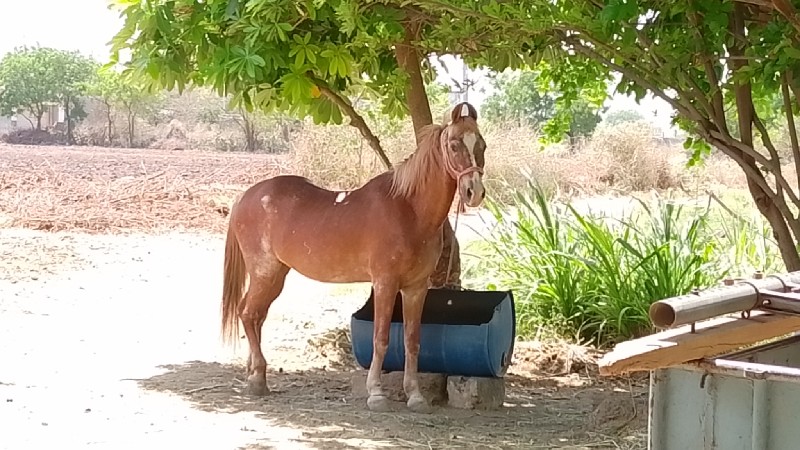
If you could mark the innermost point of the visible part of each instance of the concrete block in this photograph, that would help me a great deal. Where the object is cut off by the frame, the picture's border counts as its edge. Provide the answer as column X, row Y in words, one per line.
column 475, row 392
column 432, row 385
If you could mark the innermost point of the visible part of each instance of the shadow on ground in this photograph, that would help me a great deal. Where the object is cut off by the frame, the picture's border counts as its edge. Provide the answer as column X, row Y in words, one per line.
column 537, row 414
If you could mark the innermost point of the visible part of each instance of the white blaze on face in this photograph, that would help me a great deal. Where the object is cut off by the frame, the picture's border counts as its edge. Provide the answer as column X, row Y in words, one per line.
column 465, row 111
column 340, row 198
column 470, row 140
column 473, row 181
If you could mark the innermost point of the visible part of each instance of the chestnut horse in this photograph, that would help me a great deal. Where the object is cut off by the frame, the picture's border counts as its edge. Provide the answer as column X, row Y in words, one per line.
column 387, row 232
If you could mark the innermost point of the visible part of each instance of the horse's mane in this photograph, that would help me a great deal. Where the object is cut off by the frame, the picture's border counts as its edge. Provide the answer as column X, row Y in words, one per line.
column 413, row 174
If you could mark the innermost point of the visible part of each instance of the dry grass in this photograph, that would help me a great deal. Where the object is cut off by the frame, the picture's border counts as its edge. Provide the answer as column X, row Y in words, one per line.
column 627, row 157
column 339, row 158
column 619, row 159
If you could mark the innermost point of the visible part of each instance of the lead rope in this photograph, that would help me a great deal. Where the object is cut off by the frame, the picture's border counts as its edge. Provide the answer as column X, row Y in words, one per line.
column 452, row 247
column 452, row 170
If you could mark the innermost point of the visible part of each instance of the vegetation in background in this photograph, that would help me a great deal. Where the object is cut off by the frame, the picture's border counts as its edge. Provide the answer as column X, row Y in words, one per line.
column 619, row 116
column 122, row 95
column 521, row 97
column 593, row 277
column 32, row 79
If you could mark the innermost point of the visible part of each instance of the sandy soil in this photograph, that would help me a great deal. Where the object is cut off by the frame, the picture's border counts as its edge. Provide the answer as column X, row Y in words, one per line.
column 111, row 341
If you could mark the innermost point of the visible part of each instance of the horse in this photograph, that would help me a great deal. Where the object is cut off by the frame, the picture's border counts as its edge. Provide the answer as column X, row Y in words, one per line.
column 387, row 232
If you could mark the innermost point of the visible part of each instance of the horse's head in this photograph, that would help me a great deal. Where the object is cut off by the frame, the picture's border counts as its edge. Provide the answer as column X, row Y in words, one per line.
column 463, row 148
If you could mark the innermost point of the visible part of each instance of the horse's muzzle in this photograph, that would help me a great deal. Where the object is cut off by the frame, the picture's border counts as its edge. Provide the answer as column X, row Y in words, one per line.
column 473, row 191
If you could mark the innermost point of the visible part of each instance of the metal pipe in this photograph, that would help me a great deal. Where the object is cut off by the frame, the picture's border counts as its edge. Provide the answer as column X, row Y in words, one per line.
column 718, row 301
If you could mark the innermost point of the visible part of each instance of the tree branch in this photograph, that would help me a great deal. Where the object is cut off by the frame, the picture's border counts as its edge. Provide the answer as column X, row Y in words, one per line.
column 787, row 10
column 749, row 169
column 780, row 181
column 688, row 110
column 746, row 150
column 355, row 119
column 408, row 58
column 787, row 107
column 649, row 46
column 717, row 109
column 33, row 126
column 772, row 206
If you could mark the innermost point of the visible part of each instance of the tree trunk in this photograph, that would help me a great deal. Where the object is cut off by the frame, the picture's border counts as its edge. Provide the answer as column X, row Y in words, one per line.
column 110, row 124
column 746, row 112
column 69, row 122
column 408, row 58
column 250, row 133
column 131, row 127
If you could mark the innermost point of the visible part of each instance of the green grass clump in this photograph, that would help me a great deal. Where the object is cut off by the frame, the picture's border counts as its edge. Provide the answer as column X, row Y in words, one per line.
column 593, row 277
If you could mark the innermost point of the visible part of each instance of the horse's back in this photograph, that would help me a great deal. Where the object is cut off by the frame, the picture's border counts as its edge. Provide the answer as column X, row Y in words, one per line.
column 303, row 224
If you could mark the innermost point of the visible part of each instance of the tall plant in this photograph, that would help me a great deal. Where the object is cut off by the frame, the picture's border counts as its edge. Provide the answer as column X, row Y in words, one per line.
column 594, row 276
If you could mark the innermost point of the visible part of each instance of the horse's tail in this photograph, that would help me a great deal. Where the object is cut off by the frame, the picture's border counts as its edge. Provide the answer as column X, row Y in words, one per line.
column 232, row 286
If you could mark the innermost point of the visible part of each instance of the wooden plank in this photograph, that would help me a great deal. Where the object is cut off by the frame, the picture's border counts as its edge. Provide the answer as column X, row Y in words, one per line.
column 711, row 338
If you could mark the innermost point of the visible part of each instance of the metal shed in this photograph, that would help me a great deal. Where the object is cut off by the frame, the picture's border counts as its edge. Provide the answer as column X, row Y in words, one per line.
column 748, row 400
column 724, row 370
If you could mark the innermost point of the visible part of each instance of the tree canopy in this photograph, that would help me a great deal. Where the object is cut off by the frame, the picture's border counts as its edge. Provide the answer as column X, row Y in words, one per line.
column 710, row 60
column 275, row 55
column 33, row 78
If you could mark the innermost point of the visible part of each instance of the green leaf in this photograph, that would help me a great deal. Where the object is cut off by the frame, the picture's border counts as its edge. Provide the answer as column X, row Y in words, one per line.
column 258, row 60
column 792, row 51
column 231, row 9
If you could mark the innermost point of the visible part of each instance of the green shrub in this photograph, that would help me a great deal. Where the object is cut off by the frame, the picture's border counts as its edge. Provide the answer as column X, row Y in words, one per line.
column 593, row 277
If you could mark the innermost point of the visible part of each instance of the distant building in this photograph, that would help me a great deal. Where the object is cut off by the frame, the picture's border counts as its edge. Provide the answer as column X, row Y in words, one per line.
column 53, row 116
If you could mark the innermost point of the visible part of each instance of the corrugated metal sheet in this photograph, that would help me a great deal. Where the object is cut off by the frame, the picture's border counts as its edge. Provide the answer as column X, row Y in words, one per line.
column 744, row 401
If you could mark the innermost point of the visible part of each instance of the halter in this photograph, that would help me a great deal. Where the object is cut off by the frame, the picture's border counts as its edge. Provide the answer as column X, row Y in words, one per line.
column 450, row 166
column 456, row 174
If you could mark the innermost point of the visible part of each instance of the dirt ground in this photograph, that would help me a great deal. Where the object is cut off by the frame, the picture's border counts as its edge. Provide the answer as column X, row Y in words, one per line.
column 109, row 323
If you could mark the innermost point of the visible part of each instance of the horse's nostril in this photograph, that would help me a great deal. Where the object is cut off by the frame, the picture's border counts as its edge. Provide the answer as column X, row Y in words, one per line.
column 469, row 192
column 483, row 195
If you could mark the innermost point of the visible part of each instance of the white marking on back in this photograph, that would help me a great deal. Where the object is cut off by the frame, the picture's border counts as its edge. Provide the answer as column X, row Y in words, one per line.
column 470, row 140
column 465, row 111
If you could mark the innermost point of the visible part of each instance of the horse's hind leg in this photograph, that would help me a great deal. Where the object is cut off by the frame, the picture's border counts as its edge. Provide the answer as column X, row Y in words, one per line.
column 266, row 283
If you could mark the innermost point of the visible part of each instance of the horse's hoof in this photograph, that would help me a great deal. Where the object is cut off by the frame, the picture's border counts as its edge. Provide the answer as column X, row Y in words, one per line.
column 378, row 403
column 418, row 404
column 257, row 387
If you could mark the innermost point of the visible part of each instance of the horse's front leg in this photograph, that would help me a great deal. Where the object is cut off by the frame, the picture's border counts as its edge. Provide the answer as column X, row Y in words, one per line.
column 385, row 295
column 413, row 301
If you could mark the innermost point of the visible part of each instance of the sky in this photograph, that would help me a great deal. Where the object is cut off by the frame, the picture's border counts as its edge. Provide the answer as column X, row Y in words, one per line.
column 88, row 25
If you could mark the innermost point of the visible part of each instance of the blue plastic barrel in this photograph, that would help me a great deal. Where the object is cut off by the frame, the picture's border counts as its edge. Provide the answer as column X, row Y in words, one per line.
column 469, row 333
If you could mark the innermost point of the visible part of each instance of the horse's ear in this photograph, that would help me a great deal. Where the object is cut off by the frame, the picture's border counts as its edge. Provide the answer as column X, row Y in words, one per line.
column 463, row 110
